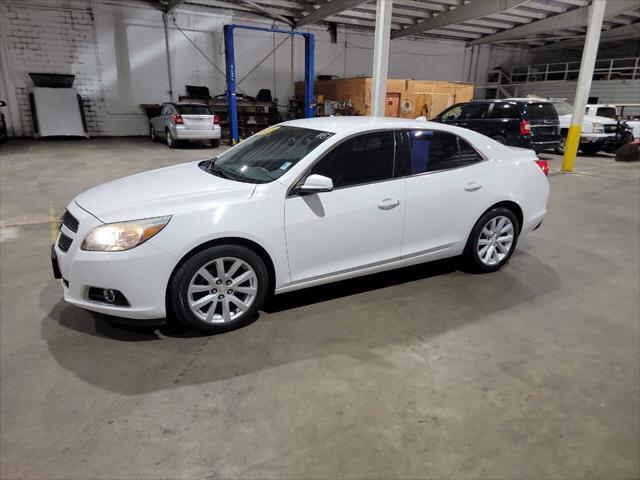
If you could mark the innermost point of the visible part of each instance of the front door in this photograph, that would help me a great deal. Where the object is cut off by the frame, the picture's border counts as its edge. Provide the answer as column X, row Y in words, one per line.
column 360, row 222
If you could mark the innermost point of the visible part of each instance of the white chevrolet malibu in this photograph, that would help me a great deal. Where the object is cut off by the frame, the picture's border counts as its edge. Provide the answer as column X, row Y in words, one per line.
column 302, row 203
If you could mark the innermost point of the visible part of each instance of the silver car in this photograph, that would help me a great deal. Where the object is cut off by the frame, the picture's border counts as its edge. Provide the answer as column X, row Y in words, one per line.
column 185, row 121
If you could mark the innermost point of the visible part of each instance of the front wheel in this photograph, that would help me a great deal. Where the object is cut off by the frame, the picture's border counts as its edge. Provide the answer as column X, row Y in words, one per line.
column 215, row 143
column 562, row 145
column 152, row 134
column 591, row 148
column 219, row 289
column 492, row 240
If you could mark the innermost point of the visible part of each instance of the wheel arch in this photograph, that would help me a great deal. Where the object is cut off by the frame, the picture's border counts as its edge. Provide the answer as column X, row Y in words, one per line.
column 239, row 241
column 511, row 205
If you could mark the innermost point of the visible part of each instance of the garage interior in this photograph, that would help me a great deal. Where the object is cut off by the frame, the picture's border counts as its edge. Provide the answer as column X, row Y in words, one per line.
column 422, row 372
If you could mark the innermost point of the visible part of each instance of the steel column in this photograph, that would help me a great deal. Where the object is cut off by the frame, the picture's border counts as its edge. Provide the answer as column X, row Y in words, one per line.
column 381, row 47
column 232, row 102
column 309, row 49
column 596, row 15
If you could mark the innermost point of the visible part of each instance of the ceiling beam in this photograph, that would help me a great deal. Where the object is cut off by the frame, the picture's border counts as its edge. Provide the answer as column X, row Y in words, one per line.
column 571, row 19
column 172, row 5
column 326, row 10
column 269, row 12
column 461, row 14
column 628, row 32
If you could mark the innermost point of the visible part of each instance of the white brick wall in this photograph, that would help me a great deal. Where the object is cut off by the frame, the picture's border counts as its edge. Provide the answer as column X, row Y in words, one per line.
column 52, row 40
column 117, row 53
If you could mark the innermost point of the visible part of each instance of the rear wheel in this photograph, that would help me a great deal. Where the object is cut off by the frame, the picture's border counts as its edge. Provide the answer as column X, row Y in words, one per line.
column 152, row 134
column 171, row 142
column 500, row 139
column 215, row 143
column 562, row 145
column 219, row 289
column 492, row 240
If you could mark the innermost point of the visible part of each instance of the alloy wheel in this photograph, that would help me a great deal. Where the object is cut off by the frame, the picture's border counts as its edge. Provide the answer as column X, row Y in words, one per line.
column 496, row 240
column 222, row 290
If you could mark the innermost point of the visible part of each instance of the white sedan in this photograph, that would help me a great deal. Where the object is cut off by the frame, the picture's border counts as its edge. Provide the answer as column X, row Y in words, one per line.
column 302, row 203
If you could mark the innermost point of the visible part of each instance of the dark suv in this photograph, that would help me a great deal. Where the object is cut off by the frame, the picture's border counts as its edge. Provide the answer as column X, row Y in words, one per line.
column 522, row 123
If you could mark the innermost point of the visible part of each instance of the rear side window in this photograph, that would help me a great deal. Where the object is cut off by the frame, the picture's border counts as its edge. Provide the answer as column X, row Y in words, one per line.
column 505, row 110
column 541, row 111
column 476, row 111
column 430, row 151
column 363, row 159
column 194, row 110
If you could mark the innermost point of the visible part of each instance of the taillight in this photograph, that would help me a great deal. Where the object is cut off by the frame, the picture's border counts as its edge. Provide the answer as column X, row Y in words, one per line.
column 525, row 127
column 177, row 119
column 544, row 166
column 216, row 120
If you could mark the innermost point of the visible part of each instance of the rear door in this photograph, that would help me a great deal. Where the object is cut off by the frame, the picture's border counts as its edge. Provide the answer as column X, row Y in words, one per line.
column 545, row 126
column 448, row 184
column 505, row 122
column 196, row 117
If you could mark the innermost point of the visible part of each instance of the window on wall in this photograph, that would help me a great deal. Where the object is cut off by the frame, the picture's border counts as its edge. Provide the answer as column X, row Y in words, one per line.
column 431, row 151
column 362, row 159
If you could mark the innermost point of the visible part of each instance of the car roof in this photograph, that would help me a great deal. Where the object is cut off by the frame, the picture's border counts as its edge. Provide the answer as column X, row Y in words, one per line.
column 186, row 104
column 348, row 125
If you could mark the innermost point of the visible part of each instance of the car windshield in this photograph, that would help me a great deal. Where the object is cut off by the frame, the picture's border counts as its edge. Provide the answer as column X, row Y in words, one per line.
column 268, row 154
column 194, row 110
column 609, row 112
column 563, row 108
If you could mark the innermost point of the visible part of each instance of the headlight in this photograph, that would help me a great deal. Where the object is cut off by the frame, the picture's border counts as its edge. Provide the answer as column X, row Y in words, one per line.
column 598, row 128
column 116, row 237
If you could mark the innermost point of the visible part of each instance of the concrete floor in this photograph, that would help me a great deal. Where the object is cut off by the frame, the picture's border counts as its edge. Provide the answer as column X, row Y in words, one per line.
column 427, row 372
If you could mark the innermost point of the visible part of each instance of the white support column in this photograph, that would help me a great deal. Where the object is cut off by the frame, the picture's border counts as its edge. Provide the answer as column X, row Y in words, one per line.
column 592, row 41
column 381, row 46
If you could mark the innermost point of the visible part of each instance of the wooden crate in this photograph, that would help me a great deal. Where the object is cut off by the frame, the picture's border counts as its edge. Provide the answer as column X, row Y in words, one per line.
column 405, row 98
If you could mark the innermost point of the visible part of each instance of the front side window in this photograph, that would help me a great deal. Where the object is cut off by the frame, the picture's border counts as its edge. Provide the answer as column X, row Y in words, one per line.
column 363, row 159
column 431, row 151
column 476, row 111
column 267, row 155
column 454, row 113
column 505, row 110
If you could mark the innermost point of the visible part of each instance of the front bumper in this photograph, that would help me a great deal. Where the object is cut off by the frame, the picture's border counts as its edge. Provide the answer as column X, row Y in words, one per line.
column 182, row 133
column 597, row 137
column 141, row 274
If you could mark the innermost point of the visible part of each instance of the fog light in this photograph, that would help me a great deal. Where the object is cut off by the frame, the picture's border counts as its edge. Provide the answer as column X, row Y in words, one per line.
column 109, row 295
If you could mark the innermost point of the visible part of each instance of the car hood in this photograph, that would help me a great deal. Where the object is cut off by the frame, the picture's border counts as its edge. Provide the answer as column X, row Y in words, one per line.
column 594, row 119
column 166, row 191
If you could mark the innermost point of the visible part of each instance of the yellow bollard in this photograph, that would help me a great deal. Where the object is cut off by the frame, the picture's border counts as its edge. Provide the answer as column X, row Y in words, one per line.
column 571, row 148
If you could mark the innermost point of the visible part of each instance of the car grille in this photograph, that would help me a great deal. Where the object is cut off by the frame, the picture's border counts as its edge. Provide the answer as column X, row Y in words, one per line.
column 69, row 221
column 64, row 242
column 610, row 128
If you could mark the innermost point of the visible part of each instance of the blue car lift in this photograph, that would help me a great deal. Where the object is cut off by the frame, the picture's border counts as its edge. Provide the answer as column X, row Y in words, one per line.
column 229, row 53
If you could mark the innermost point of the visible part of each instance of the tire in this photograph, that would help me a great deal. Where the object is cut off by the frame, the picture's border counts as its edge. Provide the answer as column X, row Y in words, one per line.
column 476, row 257
column 198, row 279
column 590, row 148
column 500, row 139
column 215, row 143
column 562, row 145
column 152, row 134
column 171, row 142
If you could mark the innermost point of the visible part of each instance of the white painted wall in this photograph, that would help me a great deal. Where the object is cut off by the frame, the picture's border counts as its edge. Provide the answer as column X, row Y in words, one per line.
column 607, row 91
column 117, row 52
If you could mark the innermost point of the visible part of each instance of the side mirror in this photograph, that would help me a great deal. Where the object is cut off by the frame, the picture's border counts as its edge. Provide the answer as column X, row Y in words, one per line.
column 316, row 184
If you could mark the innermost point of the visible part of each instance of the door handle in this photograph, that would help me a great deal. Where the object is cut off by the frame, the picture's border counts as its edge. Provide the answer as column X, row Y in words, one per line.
column 463, row 124
column 388, row 204
column 472, row 186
